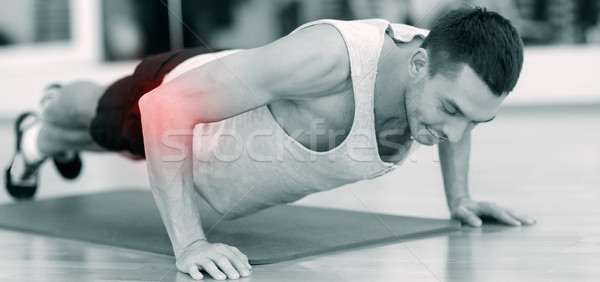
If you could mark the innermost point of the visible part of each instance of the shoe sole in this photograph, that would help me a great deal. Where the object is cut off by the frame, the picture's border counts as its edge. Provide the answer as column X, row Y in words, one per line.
column 18, row 191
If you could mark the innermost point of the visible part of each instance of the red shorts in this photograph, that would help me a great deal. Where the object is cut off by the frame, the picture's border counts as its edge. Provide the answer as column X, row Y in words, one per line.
column 116, row 125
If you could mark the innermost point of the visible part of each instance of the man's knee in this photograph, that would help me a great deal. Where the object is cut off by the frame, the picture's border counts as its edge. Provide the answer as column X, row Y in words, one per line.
column 73, row 105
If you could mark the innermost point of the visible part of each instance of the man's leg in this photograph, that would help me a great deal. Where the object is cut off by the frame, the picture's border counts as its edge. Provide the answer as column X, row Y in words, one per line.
column 66, row 117
column 60, row 132
column 82, row 116
column 60, row 141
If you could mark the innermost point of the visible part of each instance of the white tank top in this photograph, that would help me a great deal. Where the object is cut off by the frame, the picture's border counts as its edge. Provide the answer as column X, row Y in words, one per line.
column 247, row 163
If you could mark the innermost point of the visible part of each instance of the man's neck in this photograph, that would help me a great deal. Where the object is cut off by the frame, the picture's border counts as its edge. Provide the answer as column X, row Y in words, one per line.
column 392, row 80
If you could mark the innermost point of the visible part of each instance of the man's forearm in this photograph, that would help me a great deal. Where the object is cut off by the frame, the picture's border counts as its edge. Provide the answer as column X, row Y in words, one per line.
column 171, row 178
column 454, row 159
column 179, row 212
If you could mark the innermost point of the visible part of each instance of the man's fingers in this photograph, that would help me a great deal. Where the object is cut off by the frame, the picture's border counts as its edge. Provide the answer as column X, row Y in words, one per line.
column 195, row 273
column 240, row 266
column 467, row 217
column 218, row 260
column 501, row 215
column 238, row 263
column 225, row 265
column 212, row 269
column 469, row 211
column 522, row 218
column 242, row 256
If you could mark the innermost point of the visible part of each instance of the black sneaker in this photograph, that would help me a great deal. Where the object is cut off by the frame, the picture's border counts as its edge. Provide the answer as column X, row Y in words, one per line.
column 68, row 164
column 21, row 177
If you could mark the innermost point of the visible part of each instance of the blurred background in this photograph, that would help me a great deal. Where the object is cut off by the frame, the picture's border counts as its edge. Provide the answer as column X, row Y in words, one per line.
column 44, row 41
column 62, row 40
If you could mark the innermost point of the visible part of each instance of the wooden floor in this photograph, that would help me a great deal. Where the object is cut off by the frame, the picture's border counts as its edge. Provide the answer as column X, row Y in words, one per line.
column 542, row 161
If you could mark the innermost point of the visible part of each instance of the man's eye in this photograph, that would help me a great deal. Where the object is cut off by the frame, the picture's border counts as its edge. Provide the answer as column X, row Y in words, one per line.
column 449, row 111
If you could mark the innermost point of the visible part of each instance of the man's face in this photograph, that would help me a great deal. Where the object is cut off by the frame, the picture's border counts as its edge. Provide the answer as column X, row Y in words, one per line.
column 439, row 108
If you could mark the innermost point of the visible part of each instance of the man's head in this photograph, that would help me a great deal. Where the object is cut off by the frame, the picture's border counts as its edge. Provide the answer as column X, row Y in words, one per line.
column 464, row 69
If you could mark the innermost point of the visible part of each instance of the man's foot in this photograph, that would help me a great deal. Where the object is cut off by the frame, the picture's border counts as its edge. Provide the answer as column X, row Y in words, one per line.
column 68, row 164
column 21, row 175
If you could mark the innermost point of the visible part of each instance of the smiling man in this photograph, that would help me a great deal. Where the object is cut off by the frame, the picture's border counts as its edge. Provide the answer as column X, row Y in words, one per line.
column 334, row 102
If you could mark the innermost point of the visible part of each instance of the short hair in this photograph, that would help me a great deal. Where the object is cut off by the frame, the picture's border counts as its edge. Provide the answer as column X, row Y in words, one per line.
column 484, row 40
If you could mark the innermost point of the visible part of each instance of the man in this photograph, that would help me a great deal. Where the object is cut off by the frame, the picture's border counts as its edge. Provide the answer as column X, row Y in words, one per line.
column 332, row 103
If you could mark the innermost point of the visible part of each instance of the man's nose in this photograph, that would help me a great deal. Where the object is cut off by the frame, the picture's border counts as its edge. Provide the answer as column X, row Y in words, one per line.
column 455, row 129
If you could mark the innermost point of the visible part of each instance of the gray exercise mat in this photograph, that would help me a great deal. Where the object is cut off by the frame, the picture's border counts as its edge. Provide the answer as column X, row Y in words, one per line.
column 130, row 219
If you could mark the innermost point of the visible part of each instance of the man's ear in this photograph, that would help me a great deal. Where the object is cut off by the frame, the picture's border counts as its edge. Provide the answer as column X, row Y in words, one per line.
column 419, row 61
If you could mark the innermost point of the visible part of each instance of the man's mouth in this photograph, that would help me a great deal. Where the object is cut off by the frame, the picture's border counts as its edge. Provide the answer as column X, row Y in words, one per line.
column 434, row 133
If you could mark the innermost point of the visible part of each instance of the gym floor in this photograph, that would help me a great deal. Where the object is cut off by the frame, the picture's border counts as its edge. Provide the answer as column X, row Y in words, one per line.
column 542, row 161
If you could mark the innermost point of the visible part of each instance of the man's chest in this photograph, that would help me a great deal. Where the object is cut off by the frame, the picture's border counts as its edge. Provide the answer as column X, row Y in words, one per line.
column 323, row 124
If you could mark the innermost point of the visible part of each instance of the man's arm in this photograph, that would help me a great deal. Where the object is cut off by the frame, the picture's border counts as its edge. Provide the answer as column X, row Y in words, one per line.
column 303, row 65
column 172, row 186
column 454, row 160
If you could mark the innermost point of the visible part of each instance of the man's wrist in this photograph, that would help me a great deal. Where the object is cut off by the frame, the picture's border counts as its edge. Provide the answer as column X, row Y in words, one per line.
column 184, row 248
column 455, row 200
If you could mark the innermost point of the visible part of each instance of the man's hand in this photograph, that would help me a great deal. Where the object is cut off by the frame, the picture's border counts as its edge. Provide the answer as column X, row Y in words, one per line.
column 216, row 259
column 469, row 212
